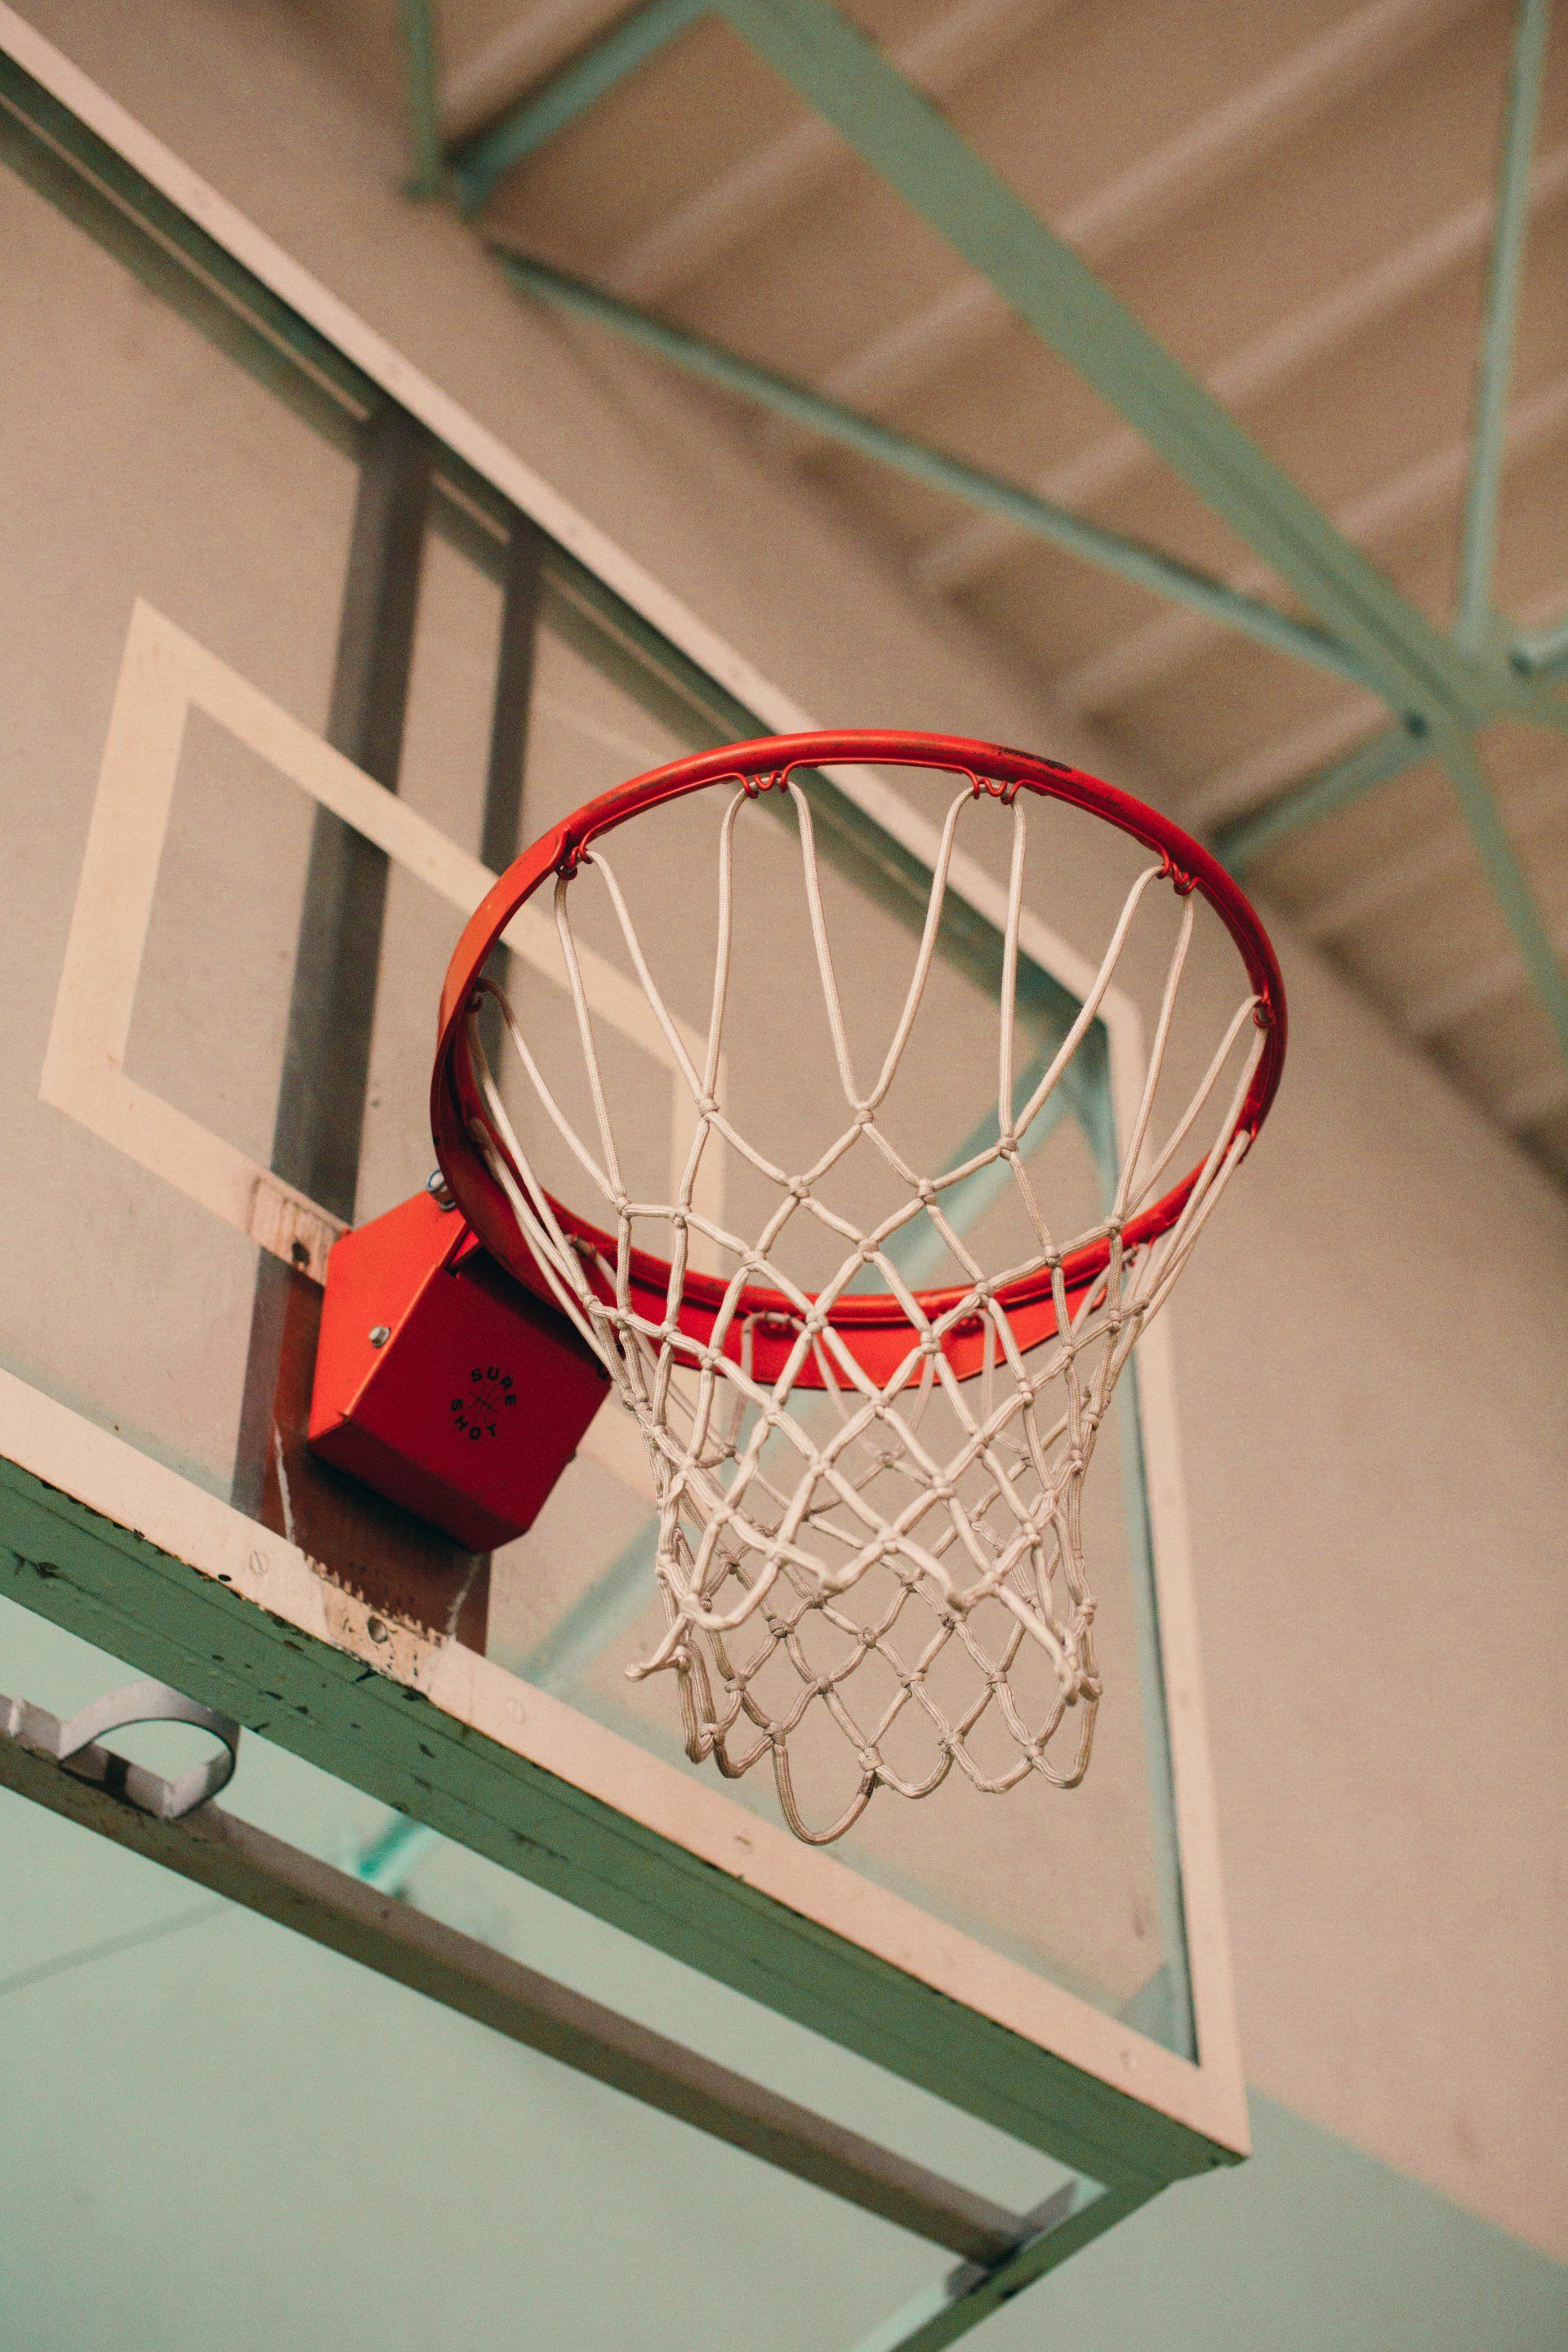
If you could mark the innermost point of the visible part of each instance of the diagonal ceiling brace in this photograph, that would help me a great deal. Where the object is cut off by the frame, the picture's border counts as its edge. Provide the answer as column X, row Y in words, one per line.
column 1438, row 690
column 1473, row 625
column 895, row 129
column 1480, row 809
column 1545, row 655
column 1130, row 559
column 1243, row 840
column 479, row 163
column 903, row 137
column 422, row 87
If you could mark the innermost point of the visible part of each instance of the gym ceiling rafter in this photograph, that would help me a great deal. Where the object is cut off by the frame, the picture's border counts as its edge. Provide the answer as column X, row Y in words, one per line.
column 1440, row 687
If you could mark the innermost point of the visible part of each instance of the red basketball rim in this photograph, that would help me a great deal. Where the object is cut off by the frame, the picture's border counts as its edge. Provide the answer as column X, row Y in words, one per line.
column 873, row 1327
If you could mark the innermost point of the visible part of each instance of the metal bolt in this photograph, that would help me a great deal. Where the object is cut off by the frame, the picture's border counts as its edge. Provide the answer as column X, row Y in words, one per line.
column 377, row 1630
column 435, row 1185
column 380, row 1334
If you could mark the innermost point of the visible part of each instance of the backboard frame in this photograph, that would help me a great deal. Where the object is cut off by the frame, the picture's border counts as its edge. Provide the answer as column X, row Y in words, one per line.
column 130, row 1554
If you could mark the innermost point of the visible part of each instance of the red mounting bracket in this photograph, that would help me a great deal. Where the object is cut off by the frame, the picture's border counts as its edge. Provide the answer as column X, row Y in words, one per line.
column 443, row 1383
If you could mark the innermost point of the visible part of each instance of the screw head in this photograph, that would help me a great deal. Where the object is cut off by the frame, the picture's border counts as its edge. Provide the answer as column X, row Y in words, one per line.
column 377, row 1631
column 380, row 1334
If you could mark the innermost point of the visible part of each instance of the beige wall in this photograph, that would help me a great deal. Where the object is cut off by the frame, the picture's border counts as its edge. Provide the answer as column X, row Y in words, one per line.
column 1373, row 1358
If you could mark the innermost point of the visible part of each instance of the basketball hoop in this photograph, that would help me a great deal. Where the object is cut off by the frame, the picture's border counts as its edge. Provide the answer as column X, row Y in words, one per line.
column 845, row 1477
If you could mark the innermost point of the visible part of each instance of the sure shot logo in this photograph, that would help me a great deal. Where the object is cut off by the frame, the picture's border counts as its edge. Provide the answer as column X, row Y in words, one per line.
column 478, row 1410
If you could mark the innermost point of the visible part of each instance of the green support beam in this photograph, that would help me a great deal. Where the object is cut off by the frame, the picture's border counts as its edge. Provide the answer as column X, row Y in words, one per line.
column 1440, row 691
column 896, row 129
column 950, row 2310
column 1473, row 625
column 1506, row 875
column 481, row 161
column 422, row 81
column 1544, row 654
column 1128, row 558
column 1240, row 843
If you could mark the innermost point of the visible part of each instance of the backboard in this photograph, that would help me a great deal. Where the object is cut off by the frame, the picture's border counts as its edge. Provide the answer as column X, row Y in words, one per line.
column 315, row 660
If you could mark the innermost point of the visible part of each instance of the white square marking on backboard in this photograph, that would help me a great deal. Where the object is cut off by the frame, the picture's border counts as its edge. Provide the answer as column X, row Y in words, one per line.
column 164, row 675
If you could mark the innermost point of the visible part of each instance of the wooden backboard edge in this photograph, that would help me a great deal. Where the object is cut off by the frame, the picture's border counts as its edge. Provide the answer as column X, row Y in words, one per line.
column 345, row 1703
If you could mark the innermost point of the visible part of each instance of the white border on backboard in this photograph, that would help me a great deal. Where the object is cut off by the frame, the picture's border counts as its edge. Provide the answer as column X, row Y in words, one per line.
column 129, row 1488
column 164, row 675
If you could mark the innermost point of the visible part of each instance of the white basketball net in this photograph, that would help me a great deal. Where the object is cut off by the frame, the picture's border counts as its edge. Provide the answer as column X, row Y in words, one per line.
column 904, row 1560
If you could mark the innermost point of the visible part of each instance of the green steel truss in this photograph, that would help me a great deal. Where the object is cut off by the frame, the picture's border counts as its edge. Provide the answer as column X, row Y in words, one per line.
column 1440, row 687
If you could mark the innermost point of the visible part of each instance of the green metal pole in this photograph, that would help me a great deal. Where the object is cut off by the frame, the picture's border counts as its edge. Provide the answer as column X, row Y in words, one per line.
column 1545, row 653
column 422, row 72
column 946, row 2312
column 1127, row 558
column 1375, row 636
column 1447, row 688
column 1473, row 624
column 1244, row 839
column 481, row 161
column 1498, row 855
column 838, row 70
